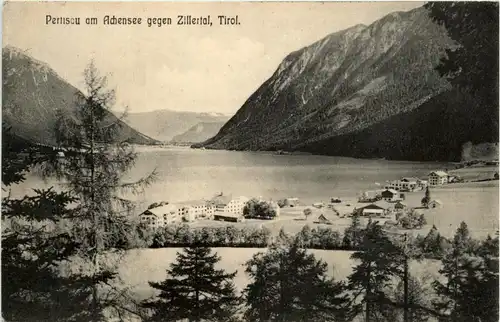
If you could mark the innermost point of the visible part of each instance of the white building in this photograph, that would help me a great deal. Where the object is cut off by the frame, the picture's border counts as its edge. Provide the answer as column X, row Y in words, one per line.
column 437, row 178
column 391, row 195
column 229, row 204
column 160, row 216
column 195, row 209
column 435, row 204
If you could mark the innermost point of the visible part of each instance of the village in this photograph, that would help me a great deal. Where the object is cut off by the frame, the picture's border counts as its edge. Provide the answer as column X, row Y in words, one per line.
column 386, row 205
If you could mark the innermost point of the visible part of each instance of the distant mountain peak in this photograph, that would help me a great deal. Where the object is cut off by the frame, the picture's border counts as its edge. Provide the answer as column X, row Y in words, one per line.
column 166, row 124
column 15, row 52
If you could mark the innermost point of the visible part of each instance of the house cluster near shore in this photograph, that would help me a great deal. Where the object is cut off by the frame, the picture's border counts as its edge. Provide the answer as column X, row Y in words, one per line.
column 409, row 184
column 221, row 207
column 384, row 203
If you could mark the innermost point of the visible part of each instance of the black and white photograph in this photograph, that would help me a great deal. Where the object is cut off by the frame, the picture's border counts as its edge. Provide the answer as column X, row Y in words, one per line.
column 250, row 161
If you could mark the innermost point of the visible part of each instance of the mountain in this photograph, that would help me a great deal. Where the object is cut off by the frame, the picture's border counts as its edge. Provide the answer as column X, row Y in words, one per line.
column 163, row 125
column 33, row 93
column 199, row 133
column 367, row 91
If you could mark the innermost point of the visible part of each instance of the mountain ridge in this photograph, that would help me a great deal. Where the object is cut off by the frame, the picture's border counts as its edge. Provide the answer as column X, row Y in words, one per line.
column 198, row 133
column 33, row 93
column 346, row 85
column 165, row 124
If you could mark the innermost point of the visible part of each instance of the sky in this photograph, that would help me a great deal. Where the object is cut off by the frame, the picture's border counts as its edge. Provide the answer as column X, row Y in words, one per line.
column 184, row 68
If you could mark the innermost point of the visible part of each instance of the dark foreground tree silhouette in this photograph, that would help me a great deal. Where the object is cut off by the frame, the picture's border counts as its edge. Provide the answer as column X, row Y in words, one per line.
column 379, row 262
column 32, row 289
column 289, row 284
column 353, row 235
column 470, row 290
column 194, row 290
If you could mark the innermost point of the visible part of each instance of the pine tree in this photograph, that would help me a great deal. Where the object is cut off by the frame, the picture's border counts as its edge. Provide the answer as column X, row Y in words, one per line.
column 418, row 296
column 470, row 292
column 427, row 198
column 194, row 290
column 304, row 237
column 353, row 235
column 32, row 289
column 379, row 261
column 432, row 243
column 290, row 284
column 96, row 158
column 283, row 238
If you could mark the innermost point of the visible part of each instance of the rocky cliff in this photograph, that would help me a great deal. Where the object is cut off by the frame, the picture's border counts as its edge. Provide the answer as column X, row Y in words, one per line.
column 367, row 91
column 32, row 93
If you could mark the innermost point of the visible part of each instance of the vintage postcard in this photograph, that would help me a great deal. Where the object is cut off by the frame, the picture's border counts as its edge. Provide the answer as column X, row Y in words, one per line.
column 249, row 161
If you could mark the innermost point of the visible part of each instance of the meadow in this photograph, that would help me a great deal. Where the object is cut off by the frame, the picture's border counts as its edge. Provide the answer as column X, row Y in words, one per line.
column 142, row 265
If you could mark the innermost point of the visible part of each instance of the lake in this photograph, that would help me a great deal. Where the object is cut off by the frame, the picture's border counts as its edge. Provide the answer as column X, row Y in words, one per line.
column 185, row 174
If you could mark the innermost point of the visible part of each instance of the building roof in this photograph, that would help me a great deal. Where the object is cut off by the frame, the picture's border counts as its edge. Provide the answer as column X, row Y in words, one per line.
column 372, row 206
column 410, row 179
column 400, row 203
column 439, row 173
column 373, row 209
column 148, row 212
column 160, row 211
column 343, row 209
column 392, row 191
column 324, row 217
column 221, row 200
column 192, row 203
column 384, row 204
column 436, row 201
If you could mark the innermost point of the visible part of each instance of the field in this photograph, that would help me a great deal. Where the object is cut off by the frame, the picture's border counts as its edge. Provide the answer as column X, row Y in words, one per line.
column 140, row 266
column 476, row 203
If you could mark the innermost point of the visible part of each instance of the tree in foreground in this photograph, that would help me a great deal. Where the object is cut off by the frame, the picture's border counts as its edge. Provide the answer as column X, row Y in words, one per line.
column 379, row 262
column 419, row 295
column 353, row 235
column 470, row 289
column 433, row 245
column 194, row 290
column 290, row 284
column 97, row 158
column 32, row 289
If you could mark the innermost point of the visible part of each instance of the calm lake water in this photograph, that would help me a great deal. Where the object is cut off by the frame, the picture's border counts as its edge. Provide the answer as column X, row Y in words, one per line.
column 185, row 174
